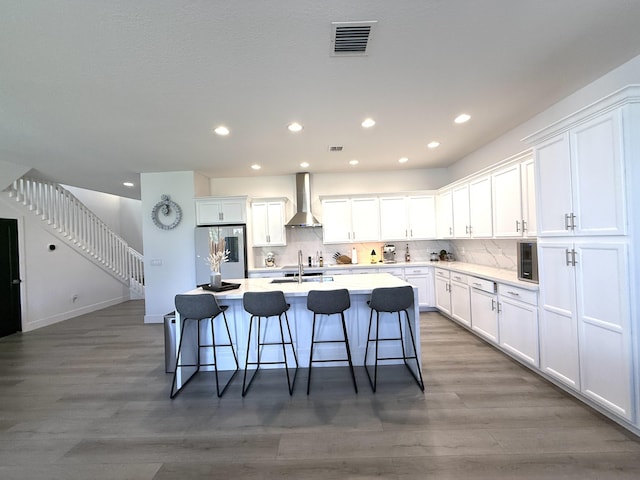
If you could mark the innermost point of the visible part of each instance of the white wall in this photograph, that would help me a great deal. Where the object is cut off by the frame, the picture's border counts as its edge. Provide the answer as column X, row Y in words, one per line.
column 51, row 279
column 169, row 255
column 122, row 215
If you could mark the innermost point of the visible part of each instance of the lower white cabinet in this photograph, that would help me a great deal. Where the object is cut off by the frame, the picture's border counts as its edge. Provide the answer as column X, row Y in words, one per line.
column 442, row 290
column 484, row 308
column 518, row 322
column 585, row 332
column 460, row 298
column 421, row 277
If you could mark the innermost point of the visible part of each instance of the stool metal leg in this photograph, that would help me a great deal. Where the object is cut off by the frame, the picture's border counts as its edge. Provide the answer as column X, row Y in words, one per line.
column 346, row 342
column 245, row 386
column 420, row 381
column 313, row 337
column 290, row 382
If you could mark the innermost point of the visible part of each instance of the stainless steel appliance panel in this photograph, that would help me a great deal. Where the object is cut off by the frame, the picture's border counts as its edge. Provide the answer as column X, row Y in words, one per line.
column 235, row 241
column 528, row 261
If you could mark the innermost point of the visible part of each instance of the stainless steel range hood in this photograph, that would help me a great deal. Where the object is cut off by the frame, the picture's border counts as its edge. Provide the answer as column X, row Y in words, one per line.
column 303, row 216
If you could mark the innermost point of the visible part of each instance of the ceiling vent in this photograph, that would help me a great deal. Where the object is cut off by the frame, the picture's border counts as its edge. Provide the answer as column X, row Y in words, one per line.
column 335, row 148
column 350, row 38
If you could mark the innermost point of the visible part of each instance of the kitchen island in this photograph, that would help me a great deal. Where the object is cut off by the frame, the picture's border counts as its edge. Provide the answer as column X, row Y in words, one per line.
column 300, row 320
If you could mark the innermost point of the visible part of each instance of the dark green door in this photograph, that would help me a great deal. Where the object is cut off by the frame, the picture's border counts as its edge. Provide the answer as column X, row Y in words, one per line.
column 10, row 317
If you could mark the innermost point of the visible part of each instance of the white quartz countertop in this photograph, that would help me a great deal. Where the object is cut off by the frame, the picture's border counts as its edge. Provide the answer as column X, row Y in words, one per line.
column 490, row 273
column 355, row 283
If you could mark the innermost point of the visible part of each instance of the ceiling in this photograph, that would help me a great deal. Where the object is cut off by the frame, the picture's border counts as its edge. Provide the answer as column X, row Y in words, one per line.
column 92, row 93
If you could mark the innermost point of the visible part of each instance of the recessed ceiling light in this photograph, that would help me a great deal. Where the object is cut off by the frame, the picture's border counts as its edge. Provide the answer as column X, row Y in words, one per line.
column 353, row 162
column 403, row 160
column 434, row 144
column 368, row 122
column 294, row 127
column 127, row 184
column 462, row 118
column 304, row 164
column 221, row 130
column 255, row 166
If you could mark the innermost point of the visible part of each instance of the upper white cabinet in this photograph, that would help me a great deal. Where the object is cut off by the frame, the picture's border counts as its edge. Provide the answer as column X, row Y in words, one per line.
column 407, row 218
column 444, row 204
column 472, row 216
column 580, row 181
column 350, row 220
column 268, row 222
column 221, row 210
column 513, row 190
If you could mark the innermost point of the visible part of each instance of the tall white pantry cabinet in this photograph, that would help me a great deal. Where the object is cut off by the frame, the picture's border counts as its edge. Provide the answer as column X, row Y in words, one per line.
column 588, row 205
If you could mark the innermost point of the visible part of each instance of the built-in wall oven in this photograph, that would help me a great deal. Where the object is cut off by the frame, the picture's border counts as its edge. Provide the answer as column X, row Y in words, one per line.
column 528, row 261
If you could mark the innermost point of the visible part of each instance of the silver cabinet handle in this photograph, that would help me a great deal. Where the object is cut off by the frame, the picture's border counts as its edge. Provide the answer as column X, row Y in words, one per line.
column 475, row 284
column 567, row 257
column 573, row 222
column 573, row 257
column 517, row 225
column 567, row 224
column 524, row 226
column 499, row 309
column 493, row 305
column 450, row 230
column 513, row 293
column 466, row 229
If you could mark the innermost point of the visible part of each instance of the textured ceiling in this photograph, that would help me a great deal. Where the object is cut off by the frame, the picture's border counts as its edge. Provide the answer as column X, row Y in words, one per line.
column 92, row 93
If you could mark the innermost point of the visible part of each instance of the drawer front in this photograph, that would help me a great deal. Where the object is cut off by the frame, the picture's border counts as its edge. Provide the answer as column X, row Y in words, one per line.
column 520, row 294
column 416, row 270
column 396, row 272
column 442, row 273
column 482, row 284
column 459, row 277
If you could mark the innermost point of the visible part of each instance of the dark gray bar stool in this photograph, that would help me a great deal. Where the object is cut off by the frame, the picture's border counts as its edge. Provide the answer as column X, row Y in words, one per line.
column 392, row 300
column 265, row 305
column 330, row 302
column 198, row 308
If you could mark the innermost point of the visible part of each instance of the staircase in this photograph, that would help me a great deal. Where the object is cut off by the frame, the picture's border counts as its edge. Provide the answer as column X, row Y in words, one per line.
column 73, row 222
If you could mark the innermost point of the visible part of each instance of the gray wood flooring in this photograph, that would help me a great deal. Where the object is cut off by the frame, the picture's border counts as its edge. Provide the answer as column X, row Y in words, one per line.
column 89, row 399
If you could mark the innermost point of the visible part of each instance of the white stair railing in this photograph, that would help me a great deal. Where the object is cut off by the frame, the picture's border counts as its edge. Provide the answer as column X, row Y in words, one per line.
column 73, row 221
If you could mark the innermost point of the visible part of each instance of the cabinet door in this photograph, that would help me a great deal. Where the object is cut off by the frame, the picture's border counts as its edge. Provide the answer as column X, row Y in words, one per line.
column 460, row 198
column 461, row 302
column 233, row 211
column 393, row 218
column 480, row 216
column 604, row 325
column 553, row 186
column 275, row 223
column 422, row 278
column 336, row 221
column 558, row 319
column 507, row 204
column 597, row 173
column 484, row 314
column 445, row 215
column 421, row 217
column 208, row 212
column 528, row 189
column 443, row 296
column 259, row 222
column 365, row 219
column 518, row 323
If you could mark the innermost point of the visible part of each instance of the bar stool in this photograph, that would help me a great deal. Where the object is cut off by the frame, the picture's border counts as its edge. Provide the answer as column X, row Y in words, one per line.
column 392, row 300
column 198, row 308
column 330, row 302
column 265, row 305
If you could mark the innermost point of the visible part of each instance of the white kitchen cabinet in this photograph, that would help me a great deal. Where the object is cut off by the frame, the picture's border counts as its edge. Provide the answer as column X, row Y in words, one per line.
column 268, row 223
column 444, row 205
column 585, row 333
column 518, row 322
column 472, row 214
column 221, row 210
column 461, row 219
column 460, row 298
column 442, row 290
column 484, row 308
column 580, row 180
column 350, row 220
column 513, row 190
column 421, row 277
column 407, row 218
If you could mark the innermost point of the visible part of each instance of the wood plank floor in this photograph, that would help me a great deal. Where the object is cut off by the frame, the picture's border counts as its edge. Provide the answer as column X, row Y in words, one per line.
column 89, row 399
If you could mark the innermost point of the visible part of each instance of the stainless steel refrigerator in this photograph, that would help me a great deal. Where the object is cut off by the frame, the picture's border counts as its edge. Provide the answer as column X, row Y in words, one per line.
column 235, row 240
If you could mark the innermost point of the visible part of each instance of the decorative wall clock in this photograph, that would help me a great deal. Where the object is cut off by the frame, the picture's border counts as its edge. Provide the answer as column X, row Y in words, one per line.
column 170, row 210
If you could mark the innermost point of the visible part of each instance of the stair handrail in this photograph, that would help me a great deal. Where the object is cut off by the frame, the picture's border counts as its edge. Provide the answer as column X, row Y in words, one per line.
column 65, row 213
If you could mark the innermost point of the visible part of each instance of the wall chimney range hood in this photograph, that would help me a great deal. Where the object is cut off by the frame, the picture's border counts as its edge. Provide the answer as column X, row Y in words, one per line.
column 303, row 216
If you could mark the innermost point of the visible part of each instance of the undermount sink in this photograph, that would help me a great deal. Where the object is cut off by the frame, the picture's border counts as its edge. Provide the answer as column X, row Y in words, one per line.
column 304, row 280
